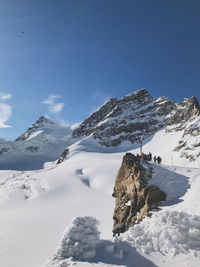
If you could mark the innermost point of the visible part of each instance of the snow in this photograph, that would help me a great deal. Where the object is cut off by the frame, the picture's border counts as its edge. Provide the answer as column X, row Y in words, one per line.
column 166, row 232
column 38, row 221
column 45, row 143
column 81, row 240
column 34, row 134
column 38, row 205
column 81, row 246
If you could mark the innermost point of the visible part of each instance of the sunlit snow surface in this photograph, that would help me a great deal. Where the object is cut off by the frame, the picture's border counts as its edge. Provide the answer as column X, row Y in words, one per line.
column 38, row 206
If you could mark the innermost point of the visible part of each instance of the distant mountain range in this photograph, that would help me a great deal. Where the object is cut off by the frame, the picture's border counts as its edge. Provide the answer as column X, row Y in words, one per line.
column 43, row 141
column 132, row 119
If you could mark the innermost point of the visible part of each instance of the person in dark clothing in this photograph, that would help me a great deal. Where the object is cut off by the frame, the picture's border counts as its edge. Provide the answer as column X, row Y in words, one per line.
column 149, row 156
column 138, row 156
column 159, row 159
column 154, row 159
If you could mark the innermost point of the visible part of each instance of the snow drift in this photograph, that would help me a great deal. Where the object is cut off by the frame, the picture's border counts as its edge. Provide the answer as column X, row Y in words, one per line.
column 166, row 232
column 81, row 244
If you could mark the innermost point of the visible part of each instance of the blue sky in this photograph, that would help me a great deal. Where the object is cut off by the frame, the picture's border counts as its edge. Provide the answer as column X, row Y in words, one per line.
column 75, row 54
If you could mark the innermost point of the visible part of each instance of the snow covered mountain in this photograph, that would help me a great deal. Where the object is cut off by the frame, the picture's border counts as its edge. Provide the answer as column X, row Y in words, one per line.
column 43, row 141
column 117, row 125
column 37, row 204
column 139, row 116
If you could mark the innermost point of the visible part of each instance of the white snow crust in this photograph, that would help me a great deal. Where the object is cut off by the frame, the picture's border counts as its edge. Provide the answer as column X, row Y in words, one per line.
column 167, row 232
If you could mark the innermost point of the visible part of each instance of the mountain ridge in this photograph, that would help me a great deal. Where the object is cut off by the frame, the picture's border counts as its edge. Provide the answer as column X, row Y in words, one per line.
column 131, row 120
column 138, row 116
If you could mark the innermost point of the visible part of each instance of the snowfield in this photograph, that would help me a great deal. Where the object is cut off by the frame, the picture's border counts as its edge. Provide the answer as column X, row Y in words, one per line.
column 49, row 217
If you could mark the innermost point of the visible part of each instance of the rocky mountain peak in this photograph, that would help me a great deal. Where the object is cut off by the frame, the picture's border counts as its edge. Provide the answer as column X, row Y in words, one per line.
column 137, row 116
column 140, row 96
column 43, row 121
column 87, row 126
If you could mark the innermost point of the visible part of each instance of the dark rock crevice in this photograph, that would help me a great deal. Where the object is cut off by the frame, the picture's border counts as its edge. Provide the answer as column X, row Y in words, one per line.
column 63, row 156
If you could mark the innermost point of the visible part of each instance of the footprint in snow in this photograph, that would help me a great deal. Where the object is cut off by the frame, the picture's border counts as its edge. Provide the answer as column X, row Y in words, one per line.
column 79, row 171
column 83, row 179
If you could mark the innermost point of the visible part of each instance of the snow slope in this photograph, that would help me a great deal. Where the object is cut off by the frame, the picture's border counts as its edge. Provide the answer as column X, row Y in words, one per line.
column 38, row 205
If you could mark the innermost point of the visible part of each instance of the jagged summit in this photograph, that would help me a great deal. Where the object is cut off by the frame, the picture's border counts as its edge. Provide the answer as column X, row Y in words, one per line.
column 138, row 116
column 130, row 118
column 87, row 126
column 43, row 121
column 140, row 95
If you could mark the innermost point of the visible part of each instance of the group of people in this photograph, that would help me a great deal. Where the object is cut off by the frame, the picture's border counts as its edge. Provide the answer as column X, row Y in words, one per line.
column 157, row 159
column 148, row 157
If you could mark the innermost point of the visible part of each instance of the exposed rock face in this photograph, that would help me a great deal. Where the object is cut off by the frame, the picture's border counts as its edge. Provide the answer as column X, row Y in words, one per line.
column 4, row 150
column 63, row 156
column 139, row 116
column 183, row 113
column 88, row 125
column 130, row 118
column 32, row 149
column 134, row 199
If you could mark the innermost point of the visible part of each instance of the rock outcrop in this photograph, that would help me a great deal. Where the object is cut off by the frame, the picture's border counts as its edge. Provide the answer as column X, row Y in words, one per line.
column 134, row 199
column 63, row 156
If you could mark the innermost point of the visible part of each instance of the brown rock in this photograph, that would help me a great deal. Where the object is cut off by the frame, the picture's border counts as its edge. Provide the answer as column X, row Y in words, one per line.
column 134, row 199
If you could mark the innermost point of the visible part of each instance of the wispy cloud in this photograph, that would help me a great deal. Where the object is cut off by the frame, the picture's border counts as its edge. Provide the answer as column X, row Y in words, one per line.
column 5, row 113
column 5, row 96
column 56, row 108
column 5, row 110
column 53, row 106
column 51, row 99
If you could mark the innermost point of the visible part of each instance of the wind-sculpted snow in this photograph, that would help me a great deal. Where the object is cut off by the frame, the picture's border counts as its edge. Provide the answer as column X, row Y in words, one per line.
column 166, row 232
column 82, row 243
